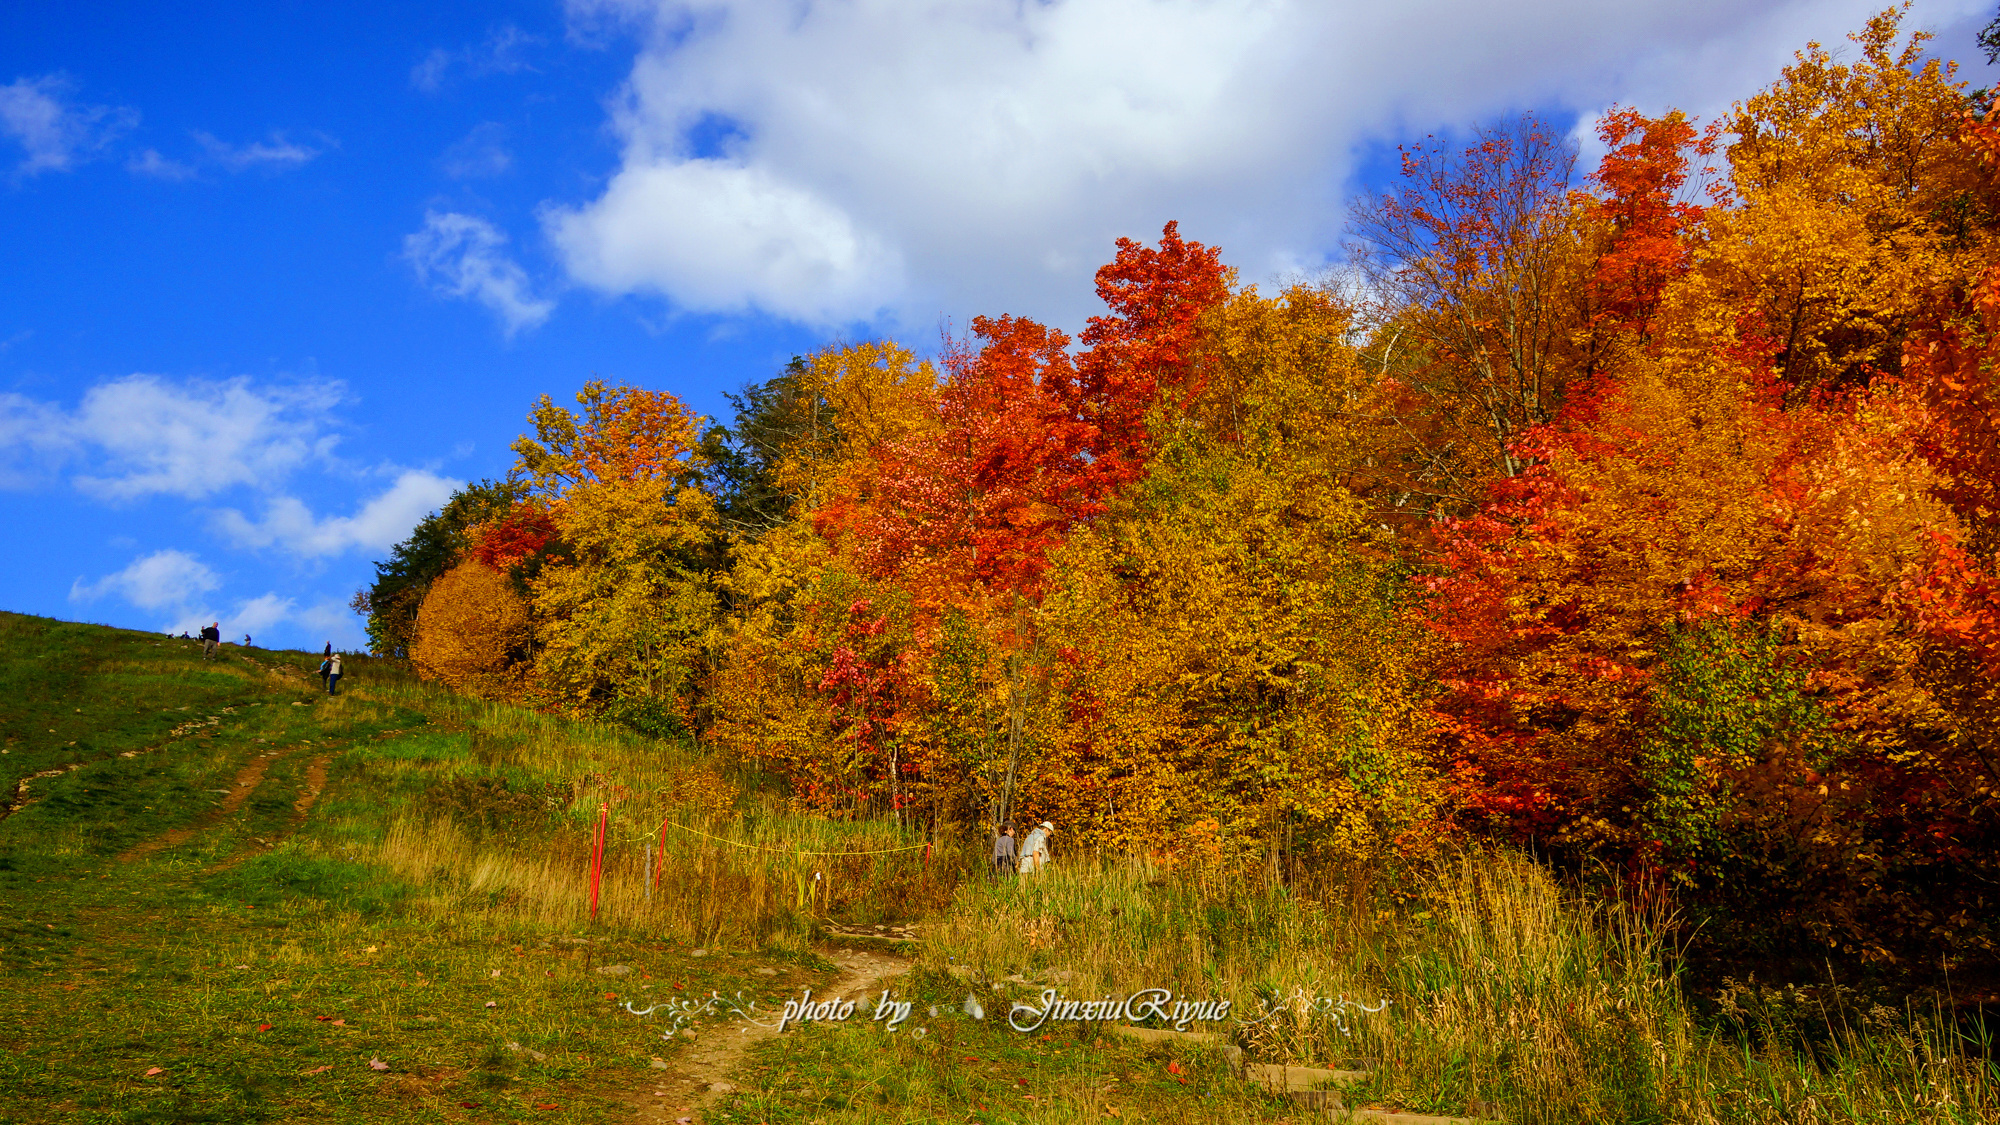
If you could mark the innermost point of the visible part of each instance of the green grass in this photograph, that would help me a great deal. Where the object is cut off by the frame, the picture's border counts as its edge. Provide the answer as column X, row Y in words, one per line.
column 116, row 960
column 950, row 1067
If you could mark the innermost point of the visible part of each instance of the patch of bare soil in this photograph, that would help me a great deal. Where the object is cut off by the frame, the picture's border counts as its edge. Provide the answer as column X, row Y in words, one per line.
column 702, row 1074
column 244, row 784
column 315, row 783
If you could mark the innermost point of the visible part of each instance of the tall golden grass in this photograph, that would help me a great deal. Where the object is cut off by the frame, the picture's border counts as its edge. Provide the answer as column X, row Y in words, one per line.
column 1506, row 994
column 742, row 885
column 688, row 854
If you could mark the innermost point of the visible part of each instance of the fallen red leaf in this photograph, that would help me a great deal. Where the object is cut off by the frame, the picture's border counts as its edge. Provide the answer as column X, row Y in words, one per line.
column 264, row 1027
column 1173, row 1068
column 611, row 996
column 322, row 1019
column 547, row 1105
column 156, row 1070
column 468, row 1105
column 318, row 1069
column 340, row 1023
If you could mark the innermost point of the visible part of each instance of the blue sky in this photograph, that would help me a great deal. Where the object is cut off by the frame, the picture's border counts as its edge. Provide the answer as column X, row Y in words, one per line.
column 275, row 277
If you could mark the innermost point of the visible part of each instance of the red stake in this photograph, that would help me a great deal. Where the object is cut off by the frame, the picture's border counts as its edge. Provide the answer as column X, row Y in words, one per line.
column 597, row 857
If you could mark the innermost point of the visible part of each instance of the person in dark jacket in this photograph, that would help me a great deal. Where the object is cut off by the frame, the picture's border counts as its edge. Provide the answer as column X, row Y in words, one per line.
column 211, row 641
column 1003, row 851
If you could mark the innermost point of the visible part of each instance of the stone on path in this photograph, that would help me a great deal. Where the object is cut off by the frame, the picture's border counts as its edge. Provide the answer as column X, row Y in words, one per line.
column 1287, row 1079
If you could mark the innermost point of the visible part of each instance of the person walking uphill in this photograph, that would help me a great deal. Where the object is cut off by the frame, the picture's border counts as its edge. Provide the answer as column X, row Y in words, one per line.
column 211, row 640
column 325, row 668
column 333, row 674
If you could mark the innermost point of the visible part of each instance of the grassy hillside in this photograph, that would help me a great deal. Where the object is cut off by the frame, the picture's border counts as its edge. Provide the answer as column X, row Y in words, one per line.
column 225, row 896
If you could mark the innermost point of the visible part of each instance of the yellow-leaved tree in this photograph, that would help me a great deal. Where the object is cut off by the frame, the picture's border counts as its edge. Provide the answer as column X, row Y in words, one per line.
column 470, row 629
column 1233, row 669
column 625, row 611
column 1853, row 199
column 806, row 438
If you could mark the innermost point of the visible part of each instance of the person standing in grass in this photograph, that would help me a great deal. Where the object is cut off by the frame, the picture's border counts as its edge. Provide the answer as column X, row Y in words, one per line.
column 326, row 668
column 333, row 674
column 1003, row 851
column 211, row 640
column 1035, row 849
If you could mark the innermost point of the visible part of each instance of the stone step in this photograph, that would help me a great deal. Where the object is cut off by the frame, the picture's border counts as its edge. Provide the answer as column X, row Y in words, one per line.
column 1305, row 1085
column 1384, row 1117
column 1229, row 1050
column 1285, row 1079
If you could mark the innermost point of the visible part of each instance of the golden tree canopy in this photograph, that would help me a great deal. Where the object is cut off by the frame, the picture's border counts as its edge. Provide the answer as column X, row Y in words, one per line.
column 470, row 626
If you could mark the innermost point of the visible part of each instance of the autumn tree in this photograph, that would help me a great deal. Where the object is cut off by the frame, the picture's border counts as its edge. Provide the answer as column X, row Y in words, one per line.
column 1147, row 353
column 1852, row 197
column 1230, row 657
column 1471, row 266
column 471, row 630
column 434, row 546
column 1644, row 227
column 624, row 612
column 785, row 694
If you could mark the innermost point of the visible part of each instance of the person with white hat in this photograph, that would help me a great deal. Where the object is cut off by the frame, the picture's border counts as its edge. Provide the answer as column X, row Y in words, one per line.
column 1035, row 849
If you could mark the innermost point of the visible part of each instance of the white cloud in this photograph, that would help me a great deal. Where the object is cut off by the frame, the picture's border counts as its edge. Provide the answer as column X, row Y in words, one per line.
column 54, row 133
column 170, row 580
column 177, row 589
column 276, row 154
column 720, row 237
column 465, row 256
column 966, row 156
column 482, row 152
column 378, row 524
column 334, row 622
column 33, row 439
column 501, row 53
column 151, row 163
column 258, row 615
column 197, row 437
column 143, row 435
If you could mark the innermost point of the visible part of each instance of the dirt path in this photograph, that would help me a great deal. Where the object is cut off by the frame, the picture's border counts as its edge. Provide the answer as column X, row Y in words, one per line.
column 315, row 783
column 700, row 1076
column 244, row 784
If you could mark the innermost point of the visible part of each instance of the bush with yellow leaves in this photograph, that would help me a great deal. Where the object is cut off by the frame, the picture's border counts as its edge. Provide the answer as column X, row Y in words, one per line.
column 471, row 627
